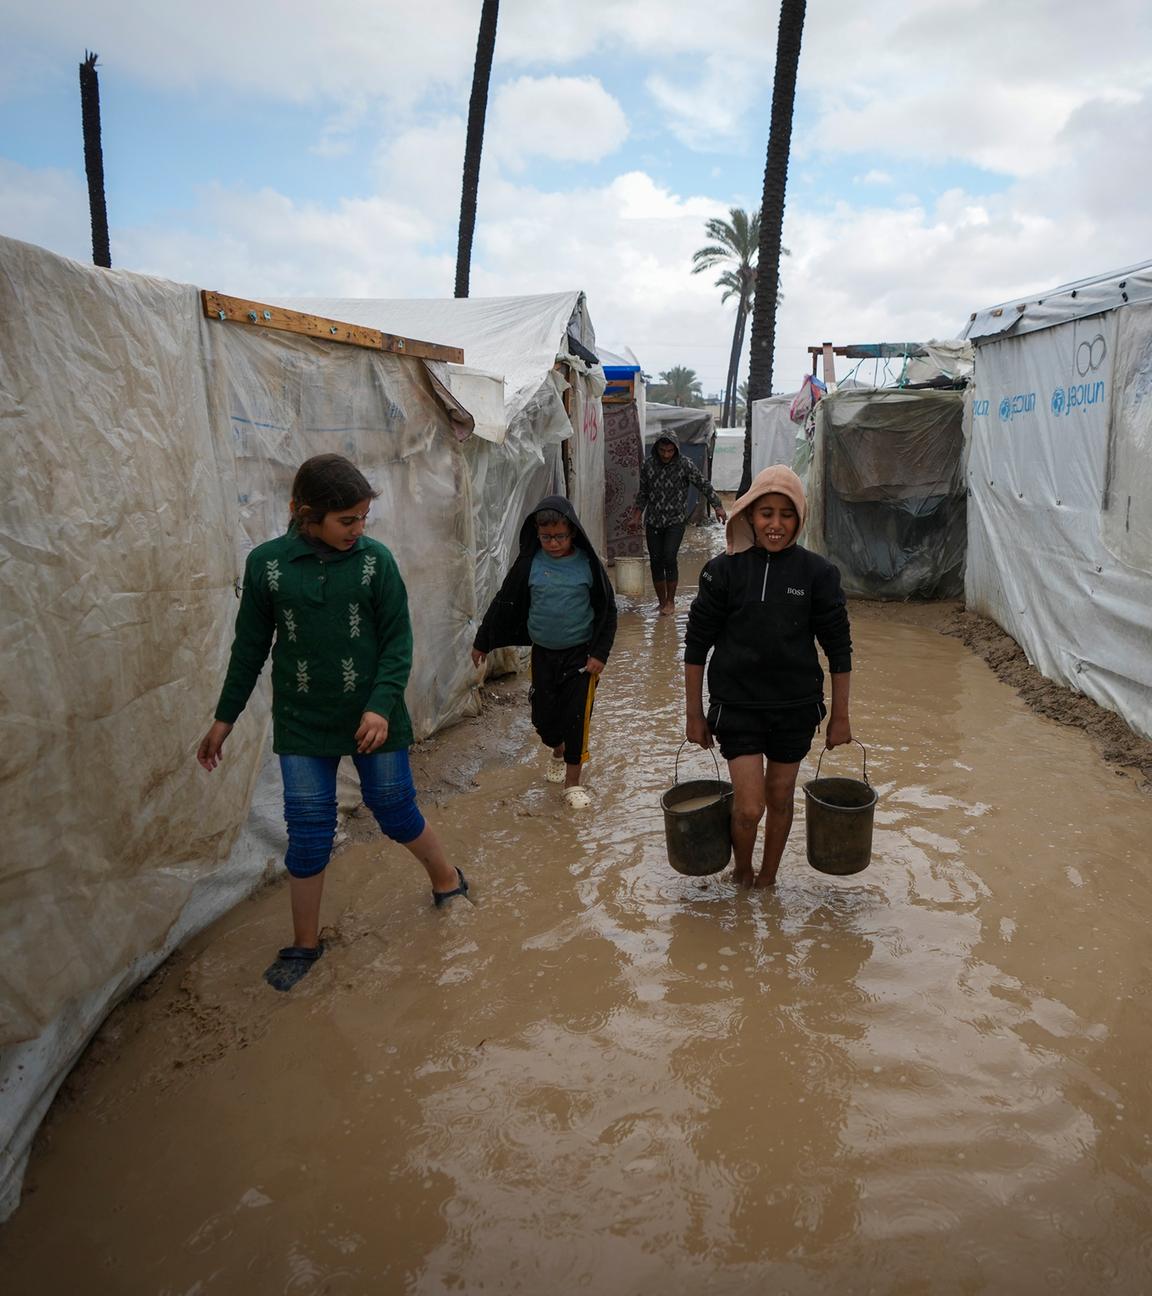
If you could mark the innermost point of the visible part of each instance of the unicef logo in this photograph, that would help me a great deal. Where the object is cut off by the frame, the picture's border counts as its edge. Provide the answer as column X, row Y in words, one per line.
column 1090, row 355
column 1005, row 409
column 1058, row 401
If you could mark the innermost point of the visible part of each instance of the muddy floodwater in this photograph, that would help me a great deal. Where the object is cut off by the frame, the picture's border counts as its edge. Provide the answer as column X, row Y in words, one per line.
column 930, row 1077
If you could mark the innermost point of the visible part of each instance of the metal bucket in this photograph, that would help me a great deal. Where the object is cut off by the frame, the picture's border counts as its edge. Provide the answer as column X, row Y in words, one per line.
column 838, row 817
column 700, row 840
column 630, row 576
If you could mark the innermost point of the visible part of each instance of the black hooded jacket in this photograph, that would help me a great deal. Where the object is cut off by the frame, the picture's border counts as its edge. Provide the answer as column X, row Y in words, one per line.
column 506, row 621
column 762, row 615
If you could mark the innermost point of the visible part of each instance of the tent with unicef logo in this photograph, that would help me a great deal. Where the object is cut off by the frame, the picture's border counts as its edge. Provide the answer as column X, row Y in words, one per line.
column 1060, row 484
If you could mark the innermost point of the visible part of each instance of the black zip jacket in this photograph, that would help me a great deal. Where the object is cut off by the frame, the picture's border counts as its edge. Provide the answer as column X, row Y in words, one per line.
column 506, row 621
column 762, row 615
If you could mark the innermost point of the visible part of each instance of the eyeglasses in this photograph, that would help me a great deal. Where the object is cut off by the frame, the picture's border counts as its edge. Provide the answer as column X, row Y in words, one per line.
column 554, row 539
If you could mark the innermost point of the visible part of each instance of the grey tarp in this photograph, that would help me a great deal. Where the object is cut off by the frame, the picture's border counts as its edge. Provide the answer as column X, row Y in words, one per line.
column 886, row 491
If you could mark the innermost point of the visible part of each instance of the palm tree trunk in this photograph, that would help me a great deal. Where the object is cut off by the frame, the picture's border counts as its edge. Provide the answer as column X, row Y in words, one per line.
column 474, row 144
column 733, row 363
column 94, row 160
column 742, row 326
column 772, row 217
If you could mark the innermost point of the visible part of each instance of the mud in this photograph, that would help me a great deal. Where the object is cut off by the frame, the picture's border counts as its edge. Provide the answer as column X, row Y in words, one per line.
column 1115, row 741
column 604, row 1076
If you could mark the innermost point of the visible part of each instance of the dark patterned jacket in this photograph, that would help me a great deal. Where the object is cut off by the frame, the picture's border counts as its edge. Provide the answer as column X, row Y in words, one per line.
column 663, row 493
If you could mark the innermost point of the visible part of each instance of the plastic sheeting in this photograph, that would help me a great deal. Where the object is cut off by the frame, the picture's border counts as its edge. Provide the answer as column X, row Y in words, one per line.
column 522, row 339
column 773, row 433
column 1111, row 291
column 146, row 449
column 886, row 491
column 689, row 426
column 1060, row 512
column 1127, row 521
column 728, row 459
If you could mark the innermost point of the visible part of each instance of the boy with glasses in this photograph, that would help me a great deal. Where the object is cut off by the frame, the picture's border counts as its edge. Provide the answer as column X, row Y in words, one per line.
column 558, row 598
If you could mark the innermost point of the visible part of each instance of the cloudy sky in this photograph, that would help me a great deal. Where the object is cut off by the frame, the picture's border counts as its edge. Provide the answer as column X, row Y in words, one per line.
column 946, row 156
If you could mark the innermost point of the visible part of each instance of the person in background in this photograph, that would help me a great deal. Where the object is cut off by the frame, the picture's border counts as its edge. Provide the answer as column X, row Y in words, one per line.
column 666, row 476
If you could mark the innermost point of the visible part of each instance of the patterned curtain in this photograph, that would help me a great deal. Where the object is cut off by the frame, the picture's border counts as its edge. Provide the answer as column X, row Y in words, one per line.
column 623, row 454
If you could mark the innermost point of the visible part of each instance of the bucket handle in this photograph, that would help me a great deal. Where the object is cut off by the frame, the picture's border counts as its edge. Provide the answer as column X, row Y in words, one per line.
column 676, row 775
column 862, row 748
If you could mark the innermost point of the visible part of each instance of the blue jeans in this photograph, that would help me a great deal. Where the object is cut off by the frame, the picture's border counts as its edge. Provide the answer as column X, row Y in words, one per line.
column 310, row 804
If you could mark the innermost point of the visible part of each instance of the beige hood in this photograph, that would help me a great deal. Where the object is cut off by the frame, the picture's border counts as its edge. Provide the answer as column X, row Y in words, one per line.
column 778, row 479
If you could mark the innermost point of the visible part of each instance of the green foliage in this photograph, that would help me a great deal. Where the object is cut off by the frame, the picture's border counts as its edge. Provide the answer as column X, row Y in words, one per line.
column 677, row 386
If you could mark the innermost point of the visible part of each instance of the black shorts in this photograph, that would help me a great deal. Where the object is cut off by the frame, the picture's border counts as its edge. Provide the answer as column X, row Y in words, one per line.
column 561, row 699
column 783, row 734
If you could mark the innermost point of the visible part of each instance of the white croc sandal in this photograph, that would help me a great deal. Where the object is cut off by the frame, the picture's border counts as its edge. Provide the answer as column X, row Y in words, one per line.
column 577, row 798
column 556, row 769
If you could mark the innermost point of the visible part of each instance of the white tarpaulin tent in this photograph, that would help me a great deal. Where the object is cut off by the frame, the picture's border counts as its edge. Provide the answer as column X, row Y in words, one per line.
column 146, row 449
column 535, row 344
column 1060, row 484
column 773, row 433
column 727, row 458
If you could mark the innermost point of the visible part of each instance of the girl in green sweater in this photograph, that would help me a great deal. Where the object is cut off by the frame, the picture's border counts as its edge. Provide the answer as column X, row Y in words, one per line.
column 329, row 603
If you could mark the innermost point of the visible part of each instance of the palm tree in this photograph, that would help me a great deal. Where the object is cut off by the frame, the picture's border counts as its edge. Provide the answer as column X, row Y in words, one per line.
column 741, row 407
column 733, row 241
column 763, row 344
column 474, row 144
column 94, row 160
column 678, row 386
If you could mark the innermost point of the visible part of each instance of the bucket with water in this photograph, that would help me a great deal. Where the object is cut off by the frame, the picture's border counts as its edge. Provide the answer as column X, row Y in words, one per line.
column 698, row 822
column 630, row 576
column 838, row 817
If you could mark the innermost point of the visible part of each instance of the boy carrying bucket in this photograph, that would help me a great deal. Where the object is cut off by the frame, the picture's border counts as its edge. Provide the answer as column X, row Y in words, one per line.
column 761, row 609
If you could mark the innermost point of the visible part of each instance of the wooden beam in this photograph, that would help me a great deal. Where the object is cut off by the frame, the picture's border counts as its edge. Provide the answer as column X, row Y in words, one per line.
column 222, row 307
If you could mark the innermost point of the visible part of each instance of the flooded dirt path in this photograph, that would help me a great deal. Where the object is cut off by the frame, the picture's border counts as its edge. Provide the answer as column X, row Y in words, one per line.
column 927, row 1078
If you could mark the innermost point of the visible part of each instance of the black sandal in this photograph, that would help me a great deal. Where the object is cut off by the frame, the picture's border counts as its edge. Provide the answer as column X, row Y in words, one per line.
column 442, row 897
column 292, row 963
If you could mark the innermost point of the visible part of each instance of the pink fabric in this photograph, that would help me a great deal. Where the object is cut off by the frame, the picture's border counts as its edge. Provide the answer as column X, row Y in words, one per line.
column 778, row 479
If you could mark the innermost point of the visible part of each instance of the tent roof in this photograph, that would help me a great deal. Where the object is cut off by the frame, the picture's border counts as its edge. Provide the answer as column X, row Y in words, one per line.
column 1068, row 302
column 617, row 365
column 518, row 338
column 690, row 425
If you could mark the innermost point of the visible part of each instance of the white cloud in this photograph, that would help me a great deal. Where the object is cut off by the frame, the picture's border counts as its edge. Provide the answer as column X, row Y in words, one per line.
column 554, row 31
column 46, row 207
column 571, row 119
column 993, row 84
column 422, row 167
column 262, row 243
column 300, row 51
column 293, row 51
column 711, row 111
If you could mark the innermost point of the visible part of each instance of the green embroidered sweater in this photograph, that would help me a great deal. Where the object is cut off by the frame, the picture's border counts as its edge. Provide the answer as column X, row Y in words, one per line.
column 341, row 644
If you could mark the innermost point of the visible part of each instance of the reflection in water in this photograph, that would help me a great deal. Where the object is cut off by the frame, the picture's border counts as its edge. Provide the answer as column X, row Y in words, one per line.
column 606, row 1076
